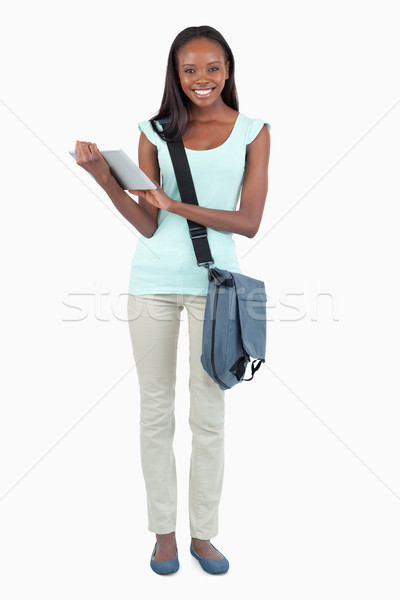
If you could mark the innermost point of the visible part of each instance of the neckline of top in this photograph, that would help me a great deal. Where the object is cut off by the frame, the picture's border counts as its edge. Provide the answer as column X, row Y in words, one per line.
column 223, row 143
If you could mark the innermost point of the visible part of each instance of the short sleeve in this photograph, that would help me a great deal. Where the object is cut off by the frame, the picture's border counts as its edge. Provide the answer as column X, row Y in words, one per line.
column 148, row 130
column 255, row 128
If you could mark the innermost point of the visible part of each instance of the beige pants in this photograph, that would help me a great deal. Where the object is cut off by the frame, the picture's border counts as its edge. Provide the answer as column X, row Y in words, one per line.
column 154, row 321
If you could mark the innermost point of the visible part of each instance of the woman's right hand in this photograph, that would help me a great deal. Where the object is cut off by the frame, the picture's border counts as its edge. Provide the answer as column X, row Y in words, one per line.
column 89, row 158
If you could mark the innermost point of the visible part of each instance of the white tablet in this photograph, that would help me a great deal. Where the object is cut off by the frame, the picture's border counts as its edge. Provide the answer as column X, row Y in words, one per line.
column 126, row 172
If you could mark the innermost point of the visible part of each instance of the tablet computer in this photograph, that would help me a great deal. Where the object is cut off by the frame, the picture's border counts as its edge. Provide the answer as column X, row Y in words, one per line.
column 126, row 172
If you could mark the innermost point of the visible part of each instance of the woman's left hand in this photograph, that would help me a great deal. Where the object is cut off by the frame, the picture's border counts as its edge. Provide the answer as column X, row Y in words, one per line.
column 156, row 197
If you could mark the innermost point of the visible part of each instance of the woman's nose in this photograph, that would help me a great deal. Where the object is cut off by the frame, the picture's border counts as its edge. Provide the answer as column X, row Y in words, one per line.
column 202, row 79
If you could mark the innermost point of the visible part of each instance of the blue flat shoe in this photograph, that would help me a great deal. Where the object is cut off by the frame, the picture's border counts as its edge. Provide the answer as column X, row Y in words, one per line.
column 212, row 566
column 163, row 567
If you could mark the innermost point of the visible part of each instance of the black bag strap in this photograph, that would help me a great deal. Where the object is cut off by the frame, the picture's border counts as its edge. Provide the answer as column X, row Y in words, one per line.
column 197, row 232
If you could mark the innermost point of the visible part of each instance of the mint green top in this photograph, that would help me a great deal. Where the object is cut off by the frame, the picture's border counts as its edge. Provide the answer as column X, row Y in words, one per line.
column 166, row 262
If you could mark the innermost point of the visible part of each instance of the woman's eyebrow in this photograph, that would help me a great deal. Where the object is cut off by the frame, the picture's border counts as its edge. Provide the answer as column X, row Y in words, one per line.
column 192, row 65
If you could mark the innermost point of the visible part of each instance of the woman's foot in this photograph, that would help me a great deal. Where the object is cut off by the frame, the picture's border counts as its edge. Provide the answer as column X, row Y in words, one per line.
column 204, row 549
column 166, row 546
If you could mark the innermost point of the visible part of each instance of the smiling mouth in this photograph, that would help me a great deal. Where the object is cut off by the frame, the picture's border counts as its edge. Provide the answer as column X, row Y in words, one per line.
column 202, row 93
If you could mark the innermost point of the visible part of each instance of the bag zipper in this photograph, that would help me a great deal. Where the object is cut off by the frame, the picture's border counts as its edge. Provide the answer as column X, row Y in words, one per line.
column 226, row 387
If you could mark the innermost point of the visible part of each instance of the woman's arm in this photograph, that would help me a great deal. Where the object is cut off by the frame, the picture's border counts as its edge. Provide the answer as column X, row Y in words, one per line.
column 246, row 220
column 142, row 215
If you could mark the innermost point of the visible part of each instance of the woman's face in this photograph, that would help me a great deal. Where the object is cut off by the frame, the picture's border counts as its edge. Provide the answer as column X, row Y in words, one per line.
column 201, row 66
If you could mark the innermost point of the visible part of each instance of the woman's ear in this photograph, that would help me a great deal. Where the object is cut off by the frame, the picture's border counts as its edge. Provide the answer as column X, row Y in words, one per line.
column 227, row 69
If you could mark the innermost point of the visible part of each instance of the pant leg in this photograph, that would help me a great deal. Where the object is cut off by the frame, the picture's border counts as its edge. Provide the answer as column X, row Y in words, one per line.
column 206, row 419
column 154, row 321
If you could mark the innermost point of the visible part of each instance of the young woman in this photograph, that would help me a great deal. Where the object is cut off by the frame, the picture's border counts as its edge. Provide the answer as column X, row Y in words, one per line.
column 227, row 153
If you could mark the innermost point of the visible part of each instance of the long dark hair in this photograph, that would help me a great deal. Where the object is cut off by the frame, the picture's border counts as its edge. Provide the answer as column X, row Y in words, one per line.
column 174, row 101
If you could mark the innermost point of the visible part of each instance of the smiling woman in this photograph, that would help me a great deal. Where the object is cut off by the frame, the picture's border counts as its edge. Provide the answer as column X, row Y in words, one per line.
column 217, row 70
column 228, row 155
column 220, row 173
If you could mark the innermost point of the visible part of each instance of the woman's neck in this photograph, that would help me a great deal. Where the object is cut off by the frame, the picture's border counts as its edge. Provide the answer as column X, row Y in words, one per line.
column 217, row 111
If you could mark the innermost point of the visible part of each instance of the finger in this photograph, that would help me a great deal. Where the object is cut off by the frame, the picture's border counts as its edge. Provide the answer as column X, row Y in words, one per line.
column 82, row 145
column 78, row 145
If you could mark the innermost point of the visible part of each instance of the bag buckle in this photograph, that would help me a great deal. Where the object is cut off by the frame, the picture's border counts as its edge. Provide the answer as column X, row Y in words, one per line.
column 205, row 264
column 195, row 236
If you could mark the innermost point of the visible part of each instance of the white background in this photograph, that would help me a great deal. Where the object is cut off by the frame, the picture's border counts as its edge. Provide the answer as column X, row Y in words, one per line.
column 311, row 498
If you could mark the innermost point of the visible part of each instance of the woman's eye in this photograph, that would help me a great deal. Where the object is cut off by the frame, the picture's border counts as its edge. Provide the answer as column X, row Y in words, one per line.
column 188, row 70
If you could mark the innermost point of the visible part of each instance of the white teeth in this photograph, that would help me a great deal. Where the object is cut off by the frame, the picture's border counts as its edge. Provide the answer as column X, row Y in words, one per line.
column 203, row 92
